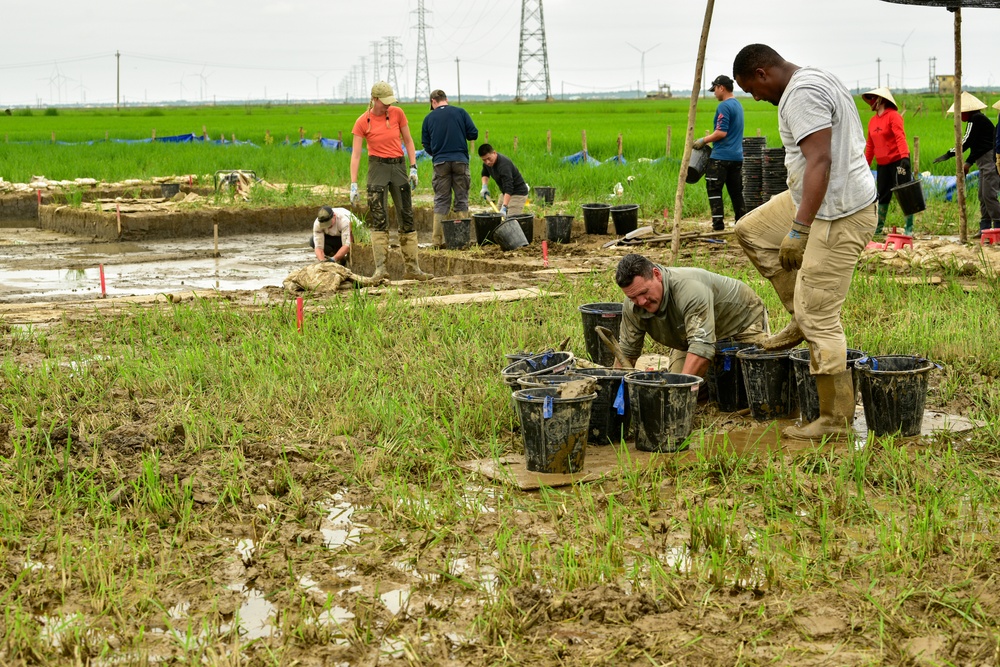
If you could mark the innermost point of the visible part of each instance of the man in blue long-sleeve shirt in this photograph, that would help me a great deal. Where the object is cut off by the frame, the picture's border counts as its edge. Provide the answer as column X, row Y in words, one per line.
column 446, row 134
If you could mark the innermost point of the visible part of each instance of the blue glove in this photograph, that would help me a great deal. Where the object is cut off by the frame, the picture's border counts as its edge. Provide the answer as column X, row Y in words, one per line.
column 355, row 197
column 503, row 211
column 485, row 192
column 413, row 178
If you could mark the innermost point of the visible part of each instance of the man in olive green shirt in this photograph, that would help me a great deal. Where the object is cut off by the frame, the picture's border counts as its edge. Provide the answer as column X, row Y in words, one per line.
column 685, row 309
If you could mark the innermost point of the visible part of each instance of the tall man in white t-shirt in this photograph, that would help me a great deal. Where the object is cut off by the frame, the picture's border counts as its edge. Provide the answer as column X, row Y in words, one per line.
column 807, row 240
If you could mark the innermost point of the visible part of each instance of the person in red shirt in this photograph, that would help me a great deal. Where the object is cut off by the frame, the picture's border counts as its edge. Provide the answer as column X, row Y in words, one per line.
column 386, row 130
column 887, row 144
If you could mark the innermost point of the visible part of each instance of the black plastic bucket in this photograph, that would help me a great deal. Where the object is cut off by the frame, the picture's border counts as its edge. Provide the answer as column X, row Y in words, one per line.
column 553, row 429
column 910, row 197
column 894, row 391
column 696, row 167
column 611, row 413
column 527, row 223
column 509, row 235
column 805, row 383
column 625, row 217
column 540, row 364
column 546, row 194
column 168, row 190
column 769, row 384
column 725, row 376
column 595, row 218
column 607, row 315
column 486, row 225
column 457, row 233
column 663, row 407
column 558, row 228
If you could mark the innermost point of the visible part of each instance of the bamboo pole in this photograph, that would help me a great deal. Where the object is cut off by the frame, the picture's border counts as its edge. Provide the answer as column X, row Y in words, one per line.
column 619, row 146
column 548, row 142
column 915, row 162
column 675, row 243
column 583, row 141
column 670, row 131
column 963, row 223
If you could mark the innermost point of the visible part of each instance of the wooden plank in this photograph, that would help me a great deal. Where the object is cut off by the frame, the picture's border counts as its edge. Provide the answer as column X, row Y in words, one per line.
column 566, row 271
column 482, row 297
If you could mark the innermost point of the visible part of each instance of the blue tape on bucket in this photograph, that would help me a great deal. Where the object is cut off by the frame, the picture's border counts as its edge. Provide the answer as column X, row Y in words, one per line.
column 619, row 403
column 874, row 364
column 532, row 363
column 727, row 363
column 546, row 357
column 547, row 407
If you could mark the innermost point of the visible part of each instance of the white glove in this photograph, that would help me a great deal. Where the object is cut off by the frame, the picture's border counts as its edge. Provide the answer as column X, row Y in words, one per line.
column 413, row 178
column 355, row 197
column 503, row 211
column 485, row 192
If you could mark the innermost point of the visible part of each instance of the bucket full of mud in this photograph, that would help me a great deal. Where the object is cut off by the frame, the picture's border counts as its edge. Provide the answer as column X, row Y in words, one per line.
column 540, row 364
column 486, row 225
column 168, row 190
column 910, row 197
column 725, row 376
column 611, row 413
column 457, row 233
column 509, row 235
column 554, row 424
column 527, row 223
column 894, row 391
column 546, row 194
column 595, row 218
column 805, row 383
column 558, row 228
column 607, row 315
column 663, row 407
column 769, row 384
column 625, row 217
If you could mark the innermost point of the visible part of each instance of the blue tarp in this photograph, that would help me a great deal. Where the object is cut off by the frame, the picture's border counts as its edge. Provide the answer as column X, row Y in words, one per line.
column 945, row 185
column 617, row 159
column 577, row 158
column 180, row 139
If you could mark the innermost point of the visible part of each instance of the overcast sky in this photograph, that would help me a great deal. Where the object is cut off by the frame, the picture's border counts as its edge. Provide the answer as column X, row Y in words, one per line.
column 63, row 51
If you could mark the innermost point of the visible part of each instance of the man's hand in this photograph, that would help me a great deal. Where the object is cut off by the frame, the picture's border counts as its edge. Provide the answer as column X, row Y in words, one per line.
column 485, row 192
column 793, row 247
column 903, row 168
column 413, row 178
column 355, row 197
column 942, row 158
column 699, row 143
column 503, row 211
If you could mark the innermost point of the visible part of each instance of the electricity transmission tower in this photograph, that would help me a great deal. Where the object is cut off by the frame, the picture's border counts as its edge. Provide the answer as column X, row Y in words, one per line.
column 376, row 72
column 932, row 85
column 392, row 50
column 423, row 83
column 533, row 55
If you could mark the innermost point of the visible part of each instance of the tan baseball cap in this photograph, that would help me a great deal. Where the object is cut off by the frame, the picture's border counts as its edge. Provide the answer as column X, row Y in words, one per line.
column 383, row 93
column 969, row 103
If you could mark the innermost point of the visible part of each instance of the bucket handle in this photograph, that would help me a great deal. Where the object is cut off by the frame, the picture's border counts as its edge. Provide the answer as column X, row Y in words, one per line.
column 547, row 407
column 619, row 403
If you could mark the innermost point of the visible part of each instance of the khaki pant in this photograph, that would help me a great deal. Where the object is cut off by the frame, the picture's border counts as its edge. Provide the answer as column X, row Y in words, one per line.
column 516, row 204
column 451, row 177
column 825, row 276
column 678, row 357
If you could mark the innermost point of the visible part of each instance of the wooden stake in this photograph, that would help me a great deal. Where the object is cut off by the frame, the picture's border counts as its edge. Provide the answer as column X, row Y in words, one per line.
column 758, row 131
column 302, row 133
column 963, row 222
column 670, row 132
column 104, row 291
column 583, row 140
column 53, row 137
column 915, row 162
column 154, row 134
column 619, row 146
column 515, row 143
column 675, row 245
column 215, row 236
column 204, row 133
column 548, row 142
column 118, row 215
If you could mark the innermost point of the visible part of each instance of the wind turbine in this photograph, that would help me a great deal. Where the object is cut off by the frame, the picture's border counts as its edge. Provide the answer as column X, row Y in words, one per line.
column 202, row 83
column 642, row 62
column 180, row 87
column 902, row 59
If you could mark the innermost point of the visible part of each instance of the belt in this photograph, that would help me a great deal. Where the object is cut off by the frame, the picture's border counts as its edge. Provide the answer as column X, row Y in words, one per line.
column 386, row 160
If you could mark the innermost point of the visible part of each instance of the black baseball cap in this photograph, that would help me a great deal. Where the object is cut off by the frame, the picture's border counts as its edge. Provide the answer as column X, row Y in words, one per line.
column 724, row 81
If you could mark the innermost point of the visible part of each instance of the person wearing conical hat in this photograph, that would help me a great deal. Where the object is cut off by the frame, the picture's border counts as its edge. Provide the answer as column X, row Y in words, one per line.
column 887, row 144
column 996, row 145
column 979, row 140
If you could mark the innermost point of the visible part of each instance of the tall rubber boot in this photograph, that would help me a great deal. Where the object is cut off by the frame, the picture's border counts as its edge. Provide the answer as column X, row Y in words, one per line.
column 408, row 244
column 380, row 247
column 909, row 225
column 883, row 211
column 437, row 235
column 836, row 410
column 791, row 335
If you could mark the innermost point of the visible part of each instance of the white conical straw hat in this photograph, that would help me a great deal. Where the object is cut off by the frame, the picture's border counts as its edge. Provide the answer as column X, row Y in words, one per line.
column 996, row 105
column 969, row 103
column 882, row 92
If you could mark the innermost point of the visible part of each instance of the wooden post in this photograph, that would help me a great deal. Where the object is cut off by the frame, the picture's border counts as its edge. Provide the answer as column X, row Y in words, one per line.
column 487, row 139
column 515, row 143
column 619, row 146
column 215, row 234
column 302, row 133
column 234, row 137
column 548, row 142
column 267, row 137
column 758, row 131
column 319, row 137
column 963, row 223
column 154, row 134
column 675, row 242
column 583, row 140
column 105, row 135
column 915, row 162
column 53, row 137
column 340, row 138
column 670, row 132
column 204, row 133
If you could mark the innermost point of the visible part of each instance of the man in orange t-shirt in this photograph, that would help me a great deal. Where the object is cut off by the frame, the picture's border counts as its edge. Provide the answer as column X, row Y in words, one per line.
column 385, row 129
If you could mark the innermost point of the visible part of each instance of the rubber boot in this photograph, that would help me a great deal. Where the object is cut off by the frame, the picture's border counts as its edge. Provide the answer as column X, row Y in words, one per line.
column 380, row 247
column 408, row 244
column 836, row 410
column 437, row 235
column 909, row 225
column 791, row 335
column 883, row 211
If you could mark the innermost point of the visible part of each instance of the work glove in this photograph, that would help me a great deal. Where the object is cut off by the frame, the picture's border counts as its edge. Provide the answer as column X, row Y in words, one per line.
column 355, row 197
column 503, row 211
column 485, row 192
column 413, row 178
column 793, row 247
column 903, row 168
column 699, row 143
column 942, row 158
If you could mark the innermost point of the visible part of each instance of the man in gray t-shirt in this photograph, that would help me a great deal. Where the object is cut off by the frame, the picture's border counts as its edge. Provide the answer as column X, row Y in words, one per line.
column 807, row 240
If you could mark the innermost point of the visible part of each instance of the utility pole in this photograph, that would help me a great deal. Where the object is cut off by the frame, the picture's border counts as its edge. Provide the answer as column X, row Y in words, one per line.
column 423, row 82
column 932, row 74
column 458, row 78
column 118, row 80
column 532, row 55
column 878, row 83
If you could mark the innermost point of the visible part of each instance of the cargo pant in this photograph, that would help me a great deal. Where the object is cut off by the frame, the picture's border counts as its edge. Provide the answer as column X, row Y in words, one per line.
column 388, row 176
column 516, row 204
column 989, row 184
column 678, row 357
column 451, row 178
column 827, row 269
column 728, row 173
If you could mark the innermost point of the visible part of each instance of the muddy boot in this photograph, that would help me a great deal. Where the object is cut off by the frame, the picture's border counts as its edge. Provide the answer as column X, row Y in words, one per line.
column 791, row 335
column 836, row 410
column 437, row 235
column 380, row 246
column 408, row 244
column 883, row 211
column 909, row 225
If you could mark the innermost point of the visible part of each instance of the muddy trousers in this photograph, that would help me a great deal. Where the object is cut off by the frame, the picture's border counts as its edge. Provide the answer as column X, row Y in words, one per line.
column 331, row 245
column 451, row 178
column 728, row 173
column 989, row 184
column 886, row 178
column 388, row 177
column 822, row 283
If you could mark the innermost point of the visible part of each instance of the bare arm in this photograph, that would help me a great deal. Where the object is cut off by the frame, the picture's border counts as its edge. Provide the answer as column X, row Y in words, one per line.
column 695, row 365
column 816, row 150
column 408, row 143
column 355, row 158
column 718, row 135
